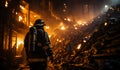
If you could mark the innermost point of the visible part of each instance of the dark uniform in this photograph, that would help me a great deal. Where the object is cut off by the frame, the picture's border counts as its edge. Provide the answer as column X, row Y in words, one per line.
column 41, row 48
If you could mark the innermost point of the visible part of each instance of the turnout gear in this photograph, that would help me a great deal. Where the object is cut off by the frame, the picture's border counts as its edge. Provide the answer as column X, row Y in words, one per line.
column 37, row 45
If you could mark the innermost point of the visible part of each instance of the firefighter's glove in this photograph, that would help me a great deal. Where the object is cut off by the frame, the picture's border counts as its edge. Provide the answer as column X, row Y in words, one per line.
column 51, row 59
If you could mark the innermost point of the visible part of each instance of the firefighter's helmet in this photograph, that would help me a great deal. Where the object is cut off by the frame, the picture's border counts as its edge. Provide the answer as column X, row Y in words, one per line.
column 39, row 22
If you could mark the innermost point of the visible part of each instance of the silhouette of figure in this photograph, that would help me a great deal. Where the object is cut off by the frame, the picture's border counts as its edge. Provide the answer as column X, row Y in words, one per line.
column 38, row 47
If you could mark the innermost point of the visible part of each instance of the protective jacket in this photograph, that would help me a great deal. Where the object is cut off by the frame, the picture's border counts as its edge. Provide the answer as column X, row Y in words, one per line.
column 41, row 46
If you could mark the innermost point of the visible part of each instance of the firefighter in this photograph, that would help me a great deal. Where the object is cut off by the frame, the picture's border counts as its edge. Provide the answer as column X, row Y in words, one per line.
column 38, row 47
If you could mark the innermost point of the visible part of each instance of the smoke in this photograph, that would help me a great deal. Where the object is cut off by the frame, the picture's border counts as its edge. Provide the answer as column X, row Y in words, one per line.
column 114, row 2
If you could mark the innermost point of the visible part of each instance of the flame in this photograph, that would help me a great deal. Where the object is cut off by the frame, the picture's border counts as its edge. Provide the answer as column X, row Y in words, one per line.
column 6, row 4
column 47, row 27
column 20, row 18
column 84, row 41
column 57, row 39
column 16, row 13
column 105, row 24
column 22, row 7
column 19, row 43
column 62, row 28
column 79, row 22
column 79, row 46
column 76, row 28
column 31, row 24
column 68, row 19
column 50, row 36
column 65, row 19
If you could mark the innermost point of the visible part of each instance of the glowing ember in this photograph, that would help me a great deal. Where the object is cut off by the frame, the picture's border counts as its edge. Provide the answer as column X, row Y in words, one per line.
column 62, row 28
column 84, row 41
column 79, row 22
column 105, row 24
column 22, row 7
column 47, row 27
column 79, row 46
column 20, row 18
column 6, row 4
column 69, row 19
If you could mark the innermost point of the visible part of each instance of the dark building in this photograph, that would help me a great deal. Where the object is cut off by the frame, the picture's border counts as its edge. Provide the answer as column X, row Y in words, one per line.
column 10, row 28
column 82, row 9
